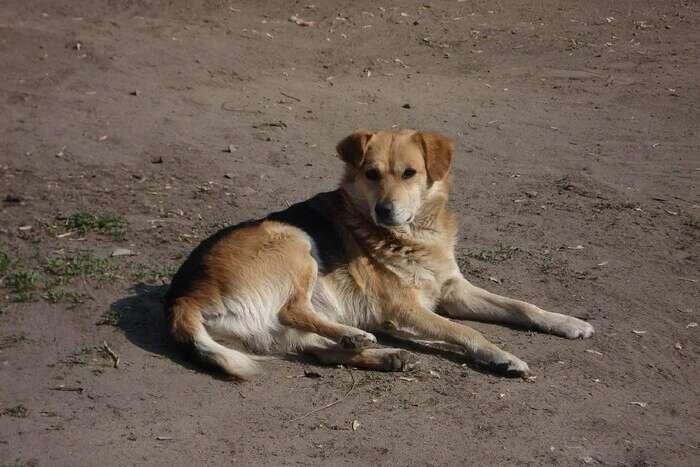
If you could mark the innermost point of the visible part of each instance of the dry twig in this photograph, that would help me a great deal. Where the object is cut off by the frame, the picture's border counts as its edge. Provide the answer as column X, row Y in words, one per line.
column 327, row 406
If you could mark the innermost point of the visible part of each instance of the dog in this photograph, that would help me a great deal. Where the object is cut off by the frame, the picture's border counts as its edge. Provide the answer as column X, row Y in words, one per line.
column 320, row 277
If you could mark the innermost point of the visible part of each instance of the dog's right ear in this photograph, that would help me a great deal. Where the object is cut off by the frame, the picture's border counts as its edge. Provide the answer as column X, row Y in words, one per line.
column 352, row 148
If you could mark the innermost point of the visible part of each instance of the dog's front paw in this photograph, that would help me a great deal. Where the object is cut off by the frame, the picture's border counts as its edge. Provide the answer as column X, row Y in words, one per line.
column 358, row 341
column 571, row 328
column 510, row 366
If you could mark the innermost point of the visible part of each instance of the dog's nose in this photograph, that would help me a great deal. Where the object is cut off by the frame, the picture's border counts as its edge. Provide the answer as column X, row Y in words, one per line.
column 384, row 211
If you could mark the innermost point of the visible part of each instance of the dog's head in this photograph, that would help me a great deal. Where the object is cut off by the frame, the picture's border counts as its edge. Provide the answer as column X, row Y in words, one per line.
column 391, row 176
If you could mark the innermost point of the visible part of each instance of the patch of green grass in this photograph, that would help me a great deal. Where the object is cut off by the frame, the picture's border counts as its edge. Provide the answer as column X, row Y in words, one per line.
column 88, row 356
column 496, row 255
column 109, row 318
column 23, row 297
column 106, row 224
column 56, row 295
column 151, row 275
column 81, row 264
column 5, row 262
column 21, row 281
column 18, row 411
column 22, row 284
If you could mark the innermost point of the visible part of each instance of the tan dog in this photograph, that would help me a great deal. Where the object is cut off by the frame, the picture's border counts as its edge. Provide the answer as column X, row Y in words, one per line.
column 375, row 255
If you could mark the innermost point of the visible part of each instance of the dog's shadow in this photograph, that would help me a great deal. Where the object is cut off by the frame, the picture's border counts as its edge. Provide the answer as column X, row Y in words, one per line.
column 141, row 316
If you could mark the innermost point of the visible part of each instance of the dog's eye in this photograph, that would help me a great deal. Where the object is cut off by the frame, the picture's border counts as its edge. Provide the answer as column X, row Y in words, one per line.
column 408, row 173
column 373, row 174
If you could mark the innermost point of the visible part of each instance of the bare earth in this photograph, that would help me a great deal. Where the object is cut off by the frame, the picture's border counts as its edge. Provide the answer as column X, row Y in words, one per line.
column 576, row 182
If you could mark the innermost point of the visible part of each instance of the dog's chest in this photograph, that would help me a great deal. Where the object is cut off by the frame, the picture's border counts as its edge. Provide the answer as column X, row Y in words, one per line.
column 368, row 286
column 413, row 271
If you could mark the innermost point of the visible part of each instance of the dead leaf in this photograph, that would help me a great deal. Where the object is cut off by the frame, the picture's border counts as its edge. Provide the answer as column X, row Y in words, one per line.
column 355, row 425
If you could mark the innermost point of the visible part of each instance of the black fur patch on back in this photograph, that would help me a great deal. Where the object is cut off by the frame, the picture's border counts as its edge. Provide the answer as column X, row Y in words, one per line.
column 313, row 216
column 193, row 266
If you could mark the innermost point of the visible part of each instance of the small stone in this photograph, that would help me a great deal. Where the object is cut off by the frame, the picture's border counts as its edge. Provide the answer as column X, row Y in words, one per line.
column 122, row 252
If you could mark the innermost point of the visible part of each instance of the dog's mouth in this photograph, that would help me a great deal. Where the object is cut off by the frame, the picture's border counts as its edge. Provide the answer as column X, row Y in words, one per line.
column 389, row 223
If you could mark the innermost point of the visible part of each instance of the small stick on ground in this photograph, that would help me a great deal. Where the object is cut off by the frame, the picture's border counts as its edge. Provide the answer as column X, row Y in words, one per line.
column 112, row 355
column 67, row 388
column 327, row 406
column 290, row 96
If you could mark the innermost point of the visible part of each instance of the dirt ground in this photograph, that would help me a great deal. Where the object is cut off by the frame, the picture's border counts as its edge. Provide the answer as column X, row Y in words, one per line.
column 146, row 125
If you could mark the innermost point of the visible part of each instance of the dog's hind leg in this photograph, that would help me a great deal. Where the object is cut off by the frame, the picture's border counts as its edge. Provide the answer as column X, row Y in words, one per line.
column 460, row 299
column 300, row 314
column 370, row 359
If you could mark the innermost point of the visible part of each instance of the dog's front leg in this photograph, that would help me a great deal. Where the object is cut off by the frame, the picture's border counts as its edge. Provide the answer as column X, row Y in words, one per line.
column 460, row 299
column 427, row 324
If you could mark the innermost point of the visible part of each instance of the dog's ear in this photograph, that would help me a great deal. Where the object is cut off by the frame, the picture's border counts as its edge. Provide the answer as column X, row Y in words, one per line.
column 437, row 151
column 352, row 148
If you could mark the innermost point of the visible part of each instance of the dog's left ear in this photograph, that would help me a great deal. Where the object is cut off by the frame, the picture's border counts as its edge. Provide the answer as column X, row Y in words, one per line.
column 437, row 151
column 352, row 148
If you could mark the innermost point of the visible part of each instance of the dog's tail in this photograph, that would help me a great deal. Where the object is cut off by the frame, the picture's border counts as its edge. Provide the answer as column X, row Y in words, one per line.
column 186, row 327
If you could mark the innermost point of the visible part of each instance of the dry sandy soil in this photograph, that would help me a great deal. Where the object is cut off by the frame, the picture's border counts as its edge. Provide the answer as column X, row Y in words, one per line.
column 147, row 125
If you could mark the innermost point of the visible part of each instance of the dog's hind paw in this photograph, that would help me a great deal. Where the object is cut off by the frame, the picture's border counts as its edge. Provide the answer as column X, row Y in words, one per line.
column 399, row 360
column 357, row 341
